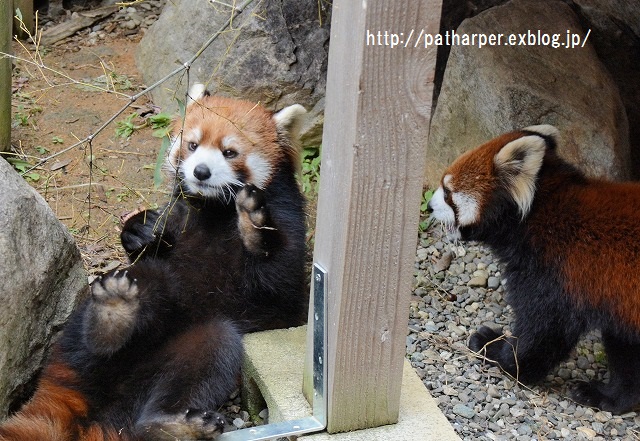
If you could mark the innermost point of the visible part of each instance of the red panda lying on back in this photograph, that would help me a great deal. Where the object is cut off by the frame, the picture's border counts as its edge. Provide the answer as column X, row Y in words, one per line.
column 571, row 254
column 156, row 349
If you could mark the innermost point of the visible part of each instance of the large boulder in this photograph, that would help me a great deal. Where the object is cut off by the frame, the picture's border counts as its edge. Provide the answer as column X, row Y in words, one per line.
column 615, row 33
column 275, row 52
column 490, row 90
column 41, row 277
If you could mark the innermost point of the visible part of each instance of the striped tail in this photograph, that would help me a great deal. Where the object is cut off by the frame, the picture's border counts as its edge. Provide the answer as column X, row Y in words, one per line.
column 55, row 413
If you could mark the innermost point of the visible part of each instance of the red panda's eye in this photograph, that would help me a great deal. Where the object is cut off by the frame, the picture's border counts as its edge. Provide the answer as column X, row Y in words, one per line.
column 229, row 154
column 446, row 194
column 192, row 146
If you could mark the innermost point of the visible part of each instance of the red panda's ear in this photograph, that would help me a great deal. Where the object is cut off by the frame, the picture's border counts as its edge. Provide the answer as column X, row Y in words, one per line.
column 517, row 164
column 196, row 91
column 289, row 121
column 288, row 125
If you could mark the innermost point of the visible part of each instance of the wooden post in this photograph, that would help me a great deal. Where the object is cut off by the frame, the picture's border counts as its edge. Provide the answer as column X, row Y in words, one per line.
column 374, row 151
column 6, row 21
column 26, row 10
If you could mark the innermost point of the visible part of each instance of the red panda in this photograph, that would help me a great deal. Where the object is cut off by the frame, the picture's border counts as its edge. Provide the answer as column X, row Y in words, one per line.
column 570, row 248
column 156, row 349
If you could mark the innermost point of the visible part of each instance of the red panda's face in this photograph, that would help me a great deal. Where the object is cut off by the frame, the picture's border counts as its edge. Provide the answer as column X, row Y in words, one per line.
column 508, row 164
column 223, row 144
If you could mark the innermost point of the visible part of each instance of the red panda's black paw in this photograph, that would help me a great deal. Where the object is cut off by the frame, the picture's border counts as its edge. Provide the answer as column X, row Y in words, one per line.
column 253, row 220
column 194, row 424
column 250, row 202
column 210, row 423
column 110, row 315
column 601, row 396
column 486, row 341
column 139, row 230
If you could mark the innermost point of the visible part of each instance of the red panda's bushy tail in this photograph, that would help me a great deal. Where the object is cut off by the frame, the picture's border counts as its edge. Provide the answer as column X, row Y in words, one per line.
column 55, row 413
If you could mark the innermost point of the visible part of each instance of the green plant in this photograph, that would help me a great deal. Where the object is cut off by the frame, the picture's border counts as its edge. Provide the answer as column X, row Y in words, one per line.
column 22, row 116
column 426, row 220
column 57, row 140
column 161, row 124
column 125, row 129
column 310, row 177
column 22, row 166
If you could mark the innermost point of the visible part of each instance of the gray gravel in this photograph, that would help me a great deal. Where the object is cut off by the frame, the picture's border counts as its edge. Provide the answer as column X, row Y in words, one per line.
column 458, row 288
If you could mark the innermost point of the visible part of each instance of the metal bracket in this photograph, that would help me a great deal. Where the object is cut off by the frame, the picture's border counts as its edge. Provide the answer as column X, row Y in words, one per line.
column 318, row 421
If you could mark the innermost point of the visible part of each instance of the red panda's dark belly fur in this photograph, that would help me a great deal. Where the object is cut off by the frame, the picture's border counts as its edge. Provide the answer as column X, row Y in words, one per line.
column 205, row 282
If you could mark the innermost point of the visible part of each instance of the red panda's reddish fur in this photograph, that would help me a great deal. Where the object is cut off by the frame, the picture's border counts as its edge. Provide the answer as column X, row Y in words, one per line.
column 570, row 246
column 605, row 218
column 55, row 412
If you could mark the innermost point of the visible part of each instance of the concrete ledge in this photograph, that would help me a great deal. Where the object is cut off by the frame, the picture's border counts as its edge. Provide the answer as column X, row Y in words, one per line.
column 272, row 373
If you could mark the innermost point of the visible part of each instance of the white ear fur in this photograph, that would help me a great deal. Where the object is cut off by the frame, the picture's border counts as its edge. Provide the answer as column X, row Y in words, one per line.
column 519, row 163
column 544, row 130
column 289, row 120
column 196, row 91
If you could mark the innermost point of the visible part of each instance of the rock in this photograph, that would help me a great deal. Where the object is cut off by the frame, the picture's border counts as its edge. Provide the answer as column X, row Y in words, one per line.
column 587, row 432
column 41, row 277
column 443, row 263
column 463, row 411
column 276, row 53
column 493, row 283
column 517, row 86
column 615, row 34
column 477, row 281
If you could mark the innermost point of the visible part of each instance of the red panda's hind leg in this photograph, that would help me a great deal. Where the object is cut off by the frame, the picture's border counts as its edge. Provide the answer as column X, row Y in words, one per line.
column 534, row 349
column 193, row 424
column 201, row 370
column 110, row 316
column 622, row 392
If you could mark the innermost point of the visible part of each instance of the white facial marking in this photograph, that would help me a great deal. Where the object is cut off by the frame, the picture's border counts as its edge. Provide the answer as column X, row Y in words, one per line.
column 229, row 141
column 441, row 211
column 467, row 207
column 260, row 169
column 193, row 135
column 222, row 175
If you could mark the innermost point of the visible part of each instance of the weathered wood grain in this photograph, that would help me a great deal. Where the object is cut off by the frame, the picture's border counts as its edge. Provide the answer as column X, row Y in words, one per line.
column 378, row 106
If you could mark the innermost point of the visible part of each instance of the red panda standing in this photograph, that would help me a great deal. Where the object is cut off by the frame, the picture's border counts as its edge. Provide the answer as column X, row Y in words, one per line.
column 156, row 349
column 571, row 250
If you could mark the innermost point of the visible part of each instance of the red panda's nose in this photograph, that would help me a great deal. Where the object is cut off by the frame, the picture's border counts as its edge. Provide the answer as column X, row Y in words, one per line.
column 202, row 172
column 429, row 207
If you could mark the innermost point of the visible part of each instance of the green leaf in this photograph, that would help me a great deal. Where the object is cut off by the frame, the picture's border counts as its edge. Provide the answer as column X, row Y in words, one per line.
column 182, row 108
column 160, row 121
column 157, row 173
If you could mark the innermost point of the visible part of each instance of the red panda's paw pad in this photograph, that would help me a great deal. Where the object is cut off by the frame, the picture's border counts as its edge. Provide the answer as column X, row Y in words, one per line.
column 114, row 289
column 250, row 202
column 111, row 313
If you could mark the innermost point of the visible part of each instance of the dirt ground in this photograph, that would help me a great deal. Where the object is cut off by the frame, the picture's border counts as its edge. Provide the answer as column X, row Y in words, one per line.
column 90, row 187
